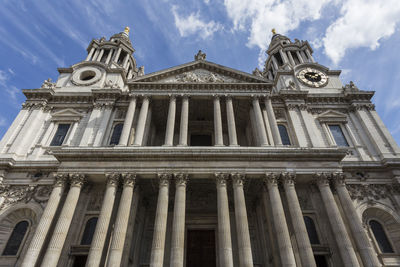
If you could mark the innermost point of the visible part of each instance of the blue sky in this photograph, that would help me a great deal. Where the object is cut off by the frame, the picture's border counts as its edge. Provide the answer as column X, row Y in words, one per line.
column 360, row 37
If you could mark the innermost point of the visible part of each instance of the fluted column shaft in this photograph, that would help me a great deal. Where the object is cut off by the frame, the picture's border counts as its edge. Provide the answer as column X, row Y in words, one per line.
column 178, row 225
column 280, row 224
column 121, row 222
column 169, row 132
column 183, row 133
column 231, row 122
column 160, row 224
column 224, row 223
column 56, row 244
column 367, row 253
column 242, row 225
column 142, row 121
column 126, row 129
column 346, row 249
column 43, row 227
column 100, row 234
column 272, row 121
column 259, row 122
column 299, row 227
column 218, row 138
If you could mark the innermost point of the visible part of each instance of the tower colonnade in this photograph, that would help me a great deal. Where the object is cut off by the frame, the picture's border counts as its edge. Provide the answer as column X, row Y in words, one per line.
column 271, row 194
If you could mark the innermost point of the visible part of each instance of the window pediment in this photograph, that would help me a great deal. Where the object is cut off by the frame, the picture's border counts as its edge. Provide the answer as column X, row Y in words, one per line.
column 332, row 116
column 66, row 115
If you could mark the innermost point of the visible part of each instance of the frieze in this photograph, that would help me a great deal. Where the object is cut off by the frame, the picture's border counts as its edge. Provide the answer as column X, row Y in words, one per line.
column 358, row 106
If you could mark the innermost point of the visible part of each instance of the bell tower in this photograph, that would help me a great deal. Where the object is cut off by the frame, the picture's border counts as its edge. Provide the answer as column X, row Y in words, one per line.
column 117, row 52
column 283, row 54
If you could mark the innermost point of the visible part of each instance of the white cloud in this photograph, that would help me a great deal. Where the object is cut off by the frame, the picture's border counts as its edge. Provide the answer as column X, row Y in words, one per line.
column 193, row 24
column 363, row 23
column 260, row 16
column 3, row 122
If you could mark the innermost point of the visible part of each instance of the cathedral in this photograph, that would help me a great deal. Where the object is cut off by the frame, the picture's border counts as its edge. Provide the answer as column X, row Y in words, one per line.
column 199, row 165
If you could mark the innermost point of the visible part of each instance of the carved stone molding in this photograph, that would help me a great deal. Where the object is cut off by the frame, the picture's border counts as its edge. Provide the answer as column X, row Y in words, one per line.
column 181, row 179
column 128, row 179
column 338, row 178
column 221, row 178
column 361, row 106
column 24, row 193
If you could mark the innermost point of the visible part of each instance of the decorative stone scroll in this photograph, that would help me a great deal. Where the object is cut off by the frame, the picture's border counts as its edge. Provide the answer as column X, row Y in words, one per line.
column 199, row 76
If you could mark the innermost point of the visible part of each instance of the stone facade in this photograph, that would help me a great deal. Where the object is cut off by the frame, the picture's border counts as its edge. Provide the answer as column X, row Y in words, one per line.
column 199, row 165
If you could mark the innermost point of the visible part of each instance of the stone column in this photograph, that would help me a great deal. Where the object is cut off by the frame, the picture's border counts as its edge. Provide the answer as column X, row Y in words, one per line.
column 178, row 223
column 160, row 224
column 259, row 122
column 242, row 225
column 142, row 121
column 117, row 55
column 218, row 122
column 272, row 120
column 309, row 55
column 100, row 234
column 56, row 244
column 300, row 57
column 169, row 132
column 299, row 227
column 184, row 121
column 231, row 122
column 346, row 249
column 121, row 222
column 367, row 253
column 43, row 227
column 100, row 55
column 291, row 60
column 280, row 224
column 104, row 120
column 126, row 129
column 110, row 52
column 89, row 56
column 224, row 223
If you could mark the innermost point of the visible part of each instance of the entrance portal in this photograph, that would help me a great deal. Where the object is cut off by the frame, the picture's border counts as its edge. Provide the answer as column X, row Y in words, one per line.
column 200, row 250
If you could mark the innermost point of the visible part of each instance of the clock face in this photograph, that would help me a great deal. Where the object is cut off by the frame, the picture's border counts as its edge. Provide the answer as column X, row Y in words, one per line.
column 312, row 77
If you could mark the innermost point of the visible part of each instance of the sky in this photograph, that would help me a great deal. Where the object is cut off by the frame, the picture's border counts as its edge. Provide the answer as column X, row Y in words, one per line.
column 359, row 37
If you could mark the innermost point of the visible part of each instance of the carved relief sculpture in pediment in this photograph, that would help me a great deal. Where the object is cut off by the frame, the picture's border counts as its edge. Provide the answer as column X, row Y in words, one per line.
column 199, row 76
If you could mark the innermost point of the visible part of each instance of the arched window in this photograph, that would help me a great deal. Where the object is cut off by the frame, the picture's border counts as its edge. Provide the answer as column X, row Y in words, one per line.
column 88, row 233
column 16, row 238
column 284, row 135
column 311, row 230
column 380, row 237
column 116, row 134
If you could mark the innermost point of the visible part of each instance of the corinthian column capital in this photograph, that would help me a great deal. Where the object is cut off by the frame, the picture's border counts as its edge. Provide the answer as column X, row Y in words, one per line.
column 164, row 179
column 288, row 178
column 321, row 179
column 128, row 179
column 238, row 179
column 60, row 179
column 221, row 178
column 77, row 179
column 181, row 179
column 338, row 178
column 271, row 178
column 113, row 178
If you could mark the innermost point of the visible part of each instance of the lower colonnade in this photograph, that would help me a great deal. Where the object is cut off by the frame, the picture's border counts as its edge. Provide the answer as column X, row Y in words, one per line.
column 111, row 231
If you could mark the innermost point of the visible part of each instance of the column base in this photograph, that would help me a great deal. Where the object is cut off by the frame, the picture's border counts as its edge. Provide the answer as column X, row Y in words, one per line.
column 168, row 145
column 180, row 145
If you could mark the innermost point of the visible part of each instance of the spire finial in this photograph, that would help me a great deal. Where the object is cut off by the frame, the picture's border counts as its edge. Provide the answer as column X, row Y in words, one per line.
column 126, row 30
column 273, row 31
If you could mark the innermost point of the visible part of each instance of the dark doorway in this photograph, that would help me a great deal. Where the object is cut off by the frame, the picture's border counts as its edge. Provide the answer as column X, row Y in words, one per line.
column 200, row 250
column 320, row 260
column 200, row 140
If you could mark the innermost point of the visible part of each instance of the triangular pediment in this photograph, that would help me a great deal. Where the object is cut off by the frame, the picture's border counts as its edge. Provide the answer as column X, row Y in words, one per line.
column 201, row 71
column 66, row 115
column 332, row 116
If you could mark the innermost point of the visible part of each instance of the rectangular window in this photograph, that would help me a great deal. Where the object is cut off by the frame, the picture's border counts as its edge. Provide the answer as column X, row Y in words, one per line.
column 60, row 135
column 338, row 135
column 284, row 135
